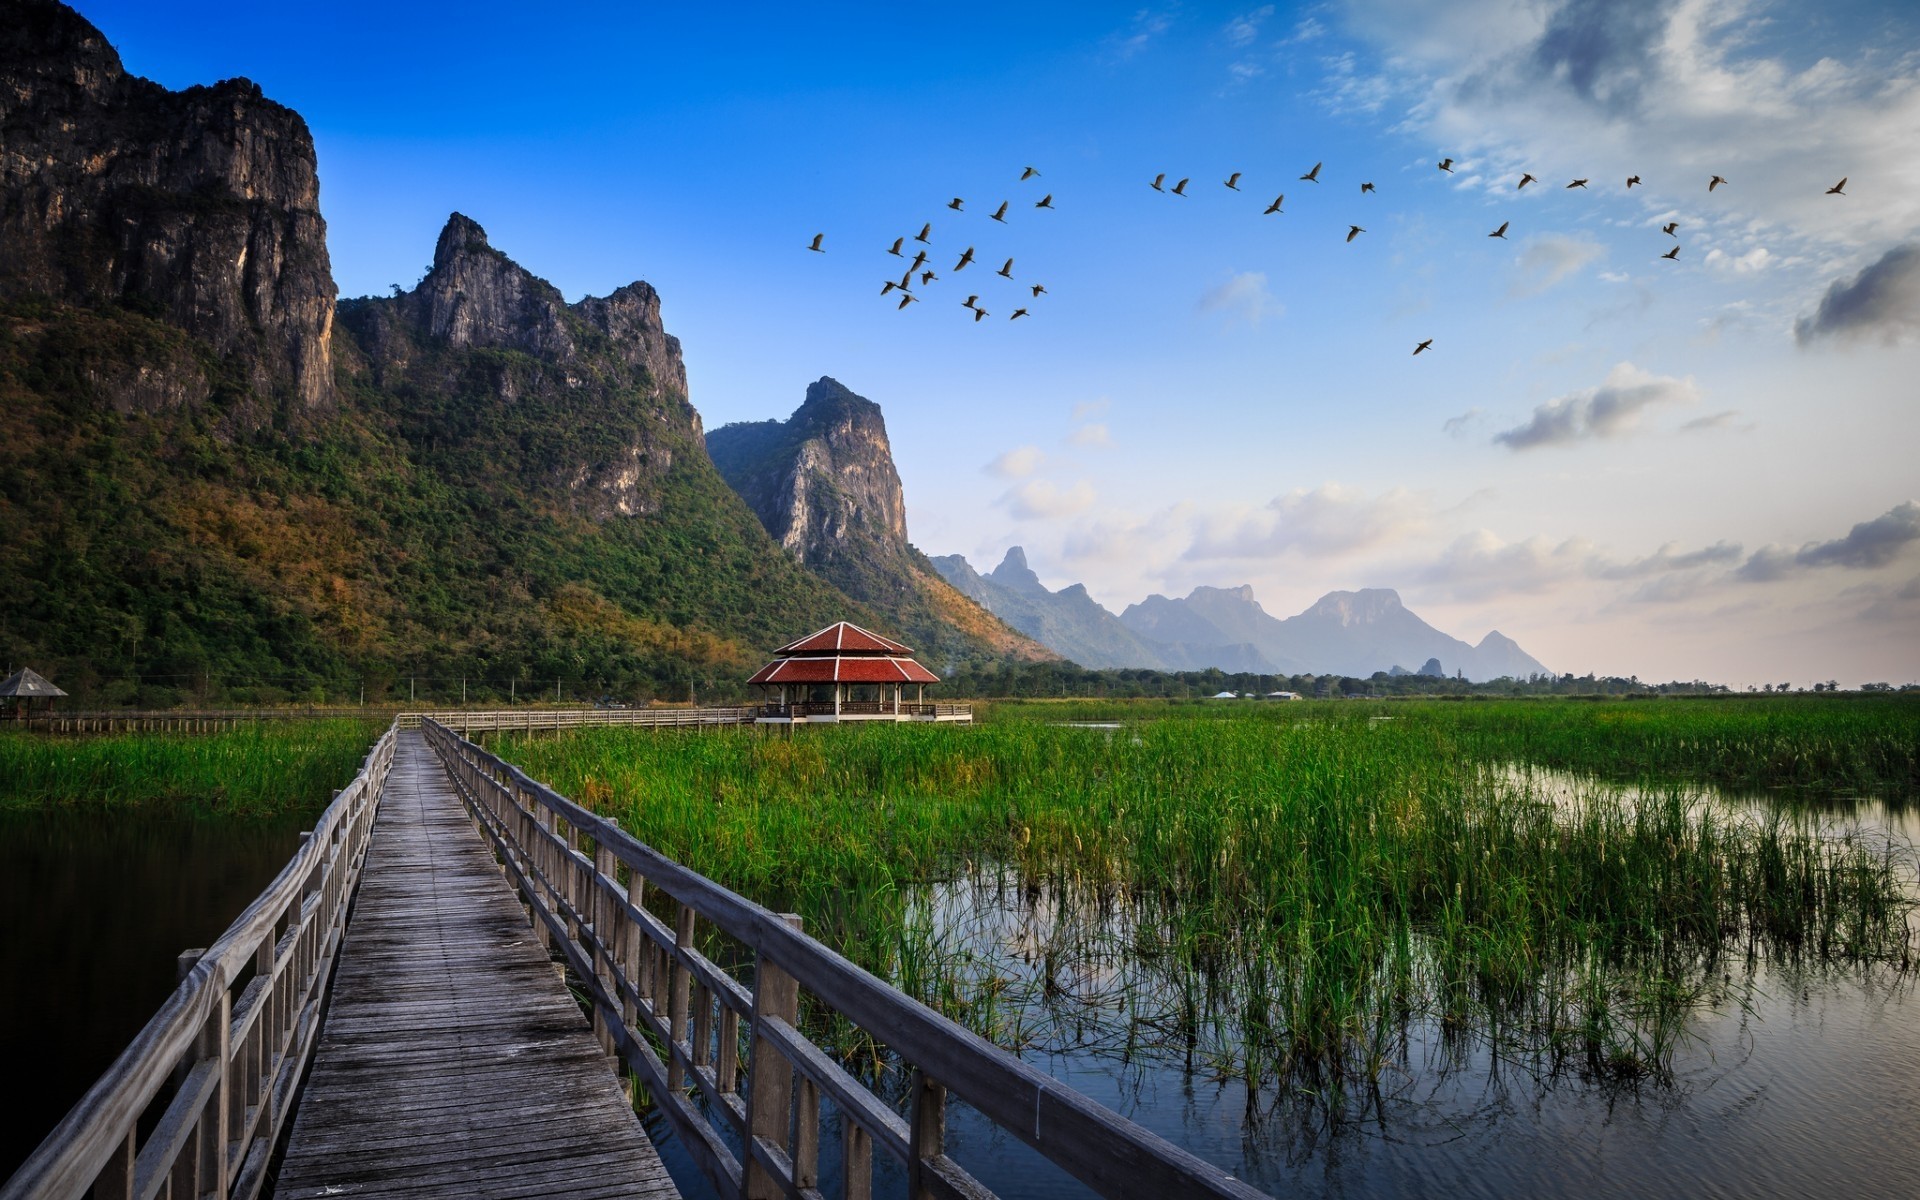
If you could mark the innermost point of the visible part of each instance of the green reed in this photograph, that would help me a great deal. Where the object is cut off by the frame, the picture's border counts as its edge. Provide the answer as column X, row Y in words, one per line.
column 1285, row 898
column 264, row 769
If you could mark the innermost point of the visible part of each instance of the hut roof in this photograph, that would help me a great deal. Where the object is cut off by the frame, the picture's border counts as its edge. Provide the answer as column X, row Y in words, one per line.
column 838, row 669
column 27, row 683
column 842, row 637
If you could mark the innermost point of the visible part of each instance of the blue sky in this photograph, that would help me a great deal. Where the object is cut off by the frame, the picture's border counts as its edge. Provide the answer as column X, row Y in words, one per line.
column 1671, row 469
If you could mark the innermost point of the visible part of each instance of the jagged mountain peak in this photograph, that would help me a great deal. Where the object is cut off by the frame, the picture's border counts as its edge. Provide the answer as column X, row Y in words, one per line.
column 1360, row 607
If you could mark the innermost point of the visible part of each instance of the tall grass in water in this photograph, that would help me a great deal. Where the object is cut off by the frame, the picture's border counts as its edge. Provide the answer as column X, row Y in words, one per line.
column 266, row 769
column 1284, row 901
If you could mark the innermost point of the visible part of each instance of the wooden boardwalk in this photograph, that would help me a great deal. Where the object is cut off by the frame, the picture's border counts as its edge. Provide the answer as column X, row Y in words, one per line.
column 453, row 1061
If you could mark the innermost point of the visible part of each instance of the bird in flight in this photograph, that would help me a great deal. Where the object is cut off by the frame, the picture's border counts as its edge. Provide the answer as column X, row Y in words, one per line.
column 890, row 286
column 964, row 259
column 924, row 231
column 1632, row 179
column 1578, row 183
column 1423, row 345
column 906, row 281
column 927, row 277
column 816, row 242
column 1180, row 189
column 1038, row 291
column 968, row 302
column 1446, row 164
column 1838, row 189
column 1365, row 188
column 1354, row 231
column 1502, row 231
column 955, row 203
column 1027, row 174
column 907, row 299
column 1313, row 176
column 1669, row 228
column 1275, row 206
column 1000, row 214
column 1045, row 201
column 1017, row 314
column 1715, row 182
column 979, row 314
column 897, row 243
column 1673, row 253
column 1158, row 180
column 1525, row 179
column 1233, row 181
column 1006, row 270
column 919, row 260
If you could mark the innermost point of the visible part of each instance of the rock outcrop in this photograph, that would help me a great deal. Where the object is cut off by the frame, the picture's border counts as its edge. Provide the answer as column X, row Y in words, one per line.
column 200, row 207
column 590, row 398
column 824, row 484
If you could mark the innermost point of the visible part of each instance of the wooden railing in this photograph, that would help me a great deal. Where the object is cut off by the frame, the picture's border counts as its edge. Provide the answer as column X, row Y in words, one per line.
column 157, row 720
column 906, row 708
column 579, row 718
column 649, row 986
column 224, row 1055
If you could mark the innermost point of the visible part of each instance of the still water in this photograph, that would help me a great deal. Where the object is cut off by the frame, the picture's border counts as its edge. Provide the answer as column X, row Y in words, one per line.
column 95, row 908
column 1789, row 1083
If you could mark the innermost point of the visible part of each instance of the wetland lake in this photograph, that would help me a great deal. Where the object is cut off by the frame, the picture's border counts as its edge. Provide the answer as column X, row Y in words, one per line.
column 1441, row 955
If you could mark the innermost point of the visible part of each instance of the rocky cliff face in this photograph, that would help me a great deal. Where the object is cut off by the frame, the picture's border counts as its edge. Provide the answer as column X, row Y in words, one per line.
column 824, row 484
column 200, row 207
column 587, row 400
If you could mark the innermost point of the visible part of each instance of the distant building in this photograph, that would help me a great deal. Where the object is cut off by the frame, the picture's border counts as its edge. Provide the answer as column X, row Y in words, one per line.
column 846, row 673
column 1224, row 696
column 1283, row 695
column 20, row 689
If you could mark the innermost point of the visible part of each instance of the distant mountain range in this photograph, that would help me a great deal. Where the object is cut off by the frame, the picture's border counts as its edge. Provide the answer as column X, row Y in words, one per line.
column 1343, row 633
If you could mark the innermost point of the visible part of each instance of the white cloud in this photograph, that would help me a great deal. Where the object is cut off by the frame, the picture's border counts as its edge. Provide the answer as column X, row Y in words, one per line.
column 1753, row 260
column 1611, row 410
column 1243, row 297
column 1547, row 260
column 1139, row 34
column 1091, row 408
column 1041, row 500
column 1244, row 28
column 1092, row 434
column 1017, row 463
column 1867, row 545
column 1325, row 521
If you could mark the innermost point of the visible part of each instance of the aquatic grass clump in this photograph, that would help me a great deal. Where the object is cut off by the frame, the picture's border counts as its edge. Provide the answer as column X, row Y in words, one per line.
column 1288, row 901
column 259, row 770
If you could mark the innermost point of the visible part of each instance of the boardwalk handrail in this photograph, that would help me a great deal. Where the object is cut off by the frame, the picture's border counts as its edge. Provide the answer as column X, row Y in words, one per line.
column 643, row 978
column 235, row 1060
column 495, row 720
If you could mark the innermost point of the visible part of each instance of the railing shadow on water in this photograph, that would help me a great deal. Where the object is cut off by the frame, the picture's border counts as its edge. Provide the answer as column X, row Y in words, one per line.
column 196, row 1103
column 689, row 1032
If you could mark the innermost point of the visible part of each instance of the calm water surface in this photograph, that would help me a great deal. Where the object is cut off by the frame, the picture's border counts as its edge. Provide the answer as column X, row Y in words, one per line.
column 95, row 908
column 1790, row 1083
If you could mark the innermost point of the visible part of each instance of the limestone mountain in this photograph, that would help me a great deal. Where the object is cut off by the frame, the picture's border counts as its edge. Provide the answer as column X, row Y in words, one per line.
column 824, row 484
column 199, row 208
column 1342, row 633
column 1075, row 625
column 210, row 488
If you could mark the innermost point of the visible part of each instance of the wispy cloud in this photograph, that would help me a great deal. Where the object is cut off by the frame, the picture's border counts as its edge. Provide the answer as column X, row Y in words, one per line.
column 1329, row 520
column 1881, row 303
column 1243, row 297
column 1611, row 410
column 1726, row 418
column 1017, row 463
column 1082, row 409
column 1550, row 259
column 1140, row 32
column 1093, row 434
column 1460, row 425
column 1246, row 27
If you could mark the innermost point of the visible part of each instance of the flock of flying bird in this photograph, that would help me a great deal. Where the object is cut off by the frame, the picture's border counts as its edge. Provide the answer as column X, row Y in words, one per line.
column 904, row 285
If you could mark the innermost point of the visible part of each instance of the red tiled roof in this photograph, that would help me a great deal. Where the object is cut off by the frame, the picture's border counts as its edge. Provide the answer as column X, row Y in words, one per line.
column 844, row 670
column 843, row 637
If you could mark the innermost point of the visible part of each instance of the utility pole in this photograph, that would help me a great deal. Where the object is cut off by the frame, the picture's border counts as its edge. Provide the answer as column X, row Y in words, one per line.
column 463, row 691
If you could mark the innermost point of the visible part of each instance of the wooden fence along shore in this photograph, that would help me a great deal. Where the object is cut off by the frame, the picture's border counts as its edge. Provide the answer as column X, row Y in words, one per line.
column 738, row 1082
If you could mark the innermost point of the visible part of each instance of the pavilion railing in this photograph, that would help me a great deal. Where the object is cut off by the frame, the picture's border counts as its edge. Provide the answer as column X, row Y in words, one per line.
column 648, row 986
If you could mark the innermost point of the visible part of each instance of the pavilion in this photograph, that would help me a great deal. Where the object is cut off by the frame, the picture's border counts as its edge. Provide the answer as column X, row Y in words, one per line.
column 846, row 673
column 20, row 689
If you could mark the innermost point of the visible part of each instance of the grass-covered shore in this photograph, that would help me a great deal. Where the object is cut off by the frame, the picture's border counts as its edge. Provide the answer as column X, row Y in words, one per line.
column 1281, row 892
column 272, row 768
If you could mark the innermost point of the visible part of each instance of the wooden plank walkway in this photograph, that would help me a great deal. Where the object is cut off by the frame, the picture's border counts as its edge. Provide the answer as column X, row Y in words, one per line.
column 453, row 1061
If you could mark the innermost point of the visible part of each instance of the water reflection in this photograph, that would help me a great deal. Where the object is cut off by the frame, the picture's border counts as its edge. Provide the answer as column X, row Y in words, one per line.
column 95, row 907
